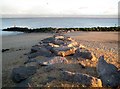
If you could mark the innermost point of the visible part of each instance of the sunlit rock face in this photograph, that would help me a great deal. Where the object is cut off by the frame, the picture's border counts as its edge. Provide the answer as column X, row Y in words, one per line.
column 81, row 78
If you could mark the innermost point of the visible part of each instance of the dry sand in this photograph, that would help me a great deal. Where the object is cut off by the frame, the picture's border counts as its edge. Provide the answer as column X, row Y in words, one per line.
column 107, row 41
column 98, row 42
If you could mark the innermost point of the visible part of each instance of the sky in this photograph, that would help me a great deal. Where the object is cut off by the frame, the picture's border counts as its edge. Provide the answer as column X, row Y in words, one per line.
column 58, row 7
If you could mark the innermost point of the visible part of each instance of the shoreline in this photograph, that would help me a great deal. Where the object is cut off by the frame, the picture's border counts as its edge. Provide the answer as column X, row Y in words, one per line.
column 54, row 30
column 10, row 33
column 21, row 30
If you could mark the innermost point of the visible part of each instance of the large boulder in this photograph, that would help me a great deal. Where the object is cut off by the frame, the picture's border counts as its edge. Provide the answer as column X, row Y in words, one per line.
column 35, row 49
column 52, row 60
column 83, row 53
column 39, row 51
column 63, row 37
column 22, row 73
column 66, row 43
column 45, row 61
column 35, row 61
column 59, row 37
column 59, row 42
column 63, row 50
column 33, row 55
column 83, row 79
column 48, row 40
column 71, row 43
column 69, row 39
column 108, row 73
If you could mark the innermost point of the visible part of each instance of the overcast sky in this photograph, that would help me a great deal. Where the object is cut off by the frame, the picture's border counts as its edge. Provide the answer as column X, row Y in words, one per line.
column 59, row 7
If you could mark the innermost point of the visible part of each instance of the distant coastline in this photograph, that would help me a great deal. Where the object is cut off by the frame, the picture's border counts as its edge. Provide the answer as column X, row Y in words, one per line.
column 50, row 29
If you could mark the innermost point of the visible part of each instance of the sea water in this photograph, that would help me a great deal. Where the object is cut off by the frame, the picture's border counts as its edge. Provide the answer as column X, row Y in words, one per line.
column 57, row 22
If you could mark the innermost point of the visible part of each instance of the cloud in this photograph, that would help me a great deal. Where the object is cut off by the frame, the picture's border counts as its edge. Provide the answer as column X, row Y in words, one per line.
column 59, row 7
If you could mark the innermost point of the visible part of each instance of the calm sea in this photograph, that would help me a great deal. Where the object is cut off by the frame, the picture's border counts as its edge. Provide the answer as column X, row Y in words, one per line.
column 57, row 22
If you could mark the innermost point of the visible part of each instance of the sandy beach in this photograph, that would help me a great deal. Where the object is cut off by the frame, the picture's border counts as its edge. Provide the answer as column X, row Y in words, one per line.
column 18, row 45
column 98, row 42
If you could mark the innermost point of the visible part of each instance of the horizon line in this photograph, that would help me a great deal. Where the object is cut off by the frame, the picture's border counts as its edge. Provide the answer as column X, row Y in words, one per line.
column 59, row 16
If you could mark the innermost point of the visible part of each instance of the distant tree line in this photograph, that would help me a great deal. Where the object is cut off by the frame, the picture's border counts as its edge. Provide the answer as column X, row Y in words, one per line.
column 50, row 29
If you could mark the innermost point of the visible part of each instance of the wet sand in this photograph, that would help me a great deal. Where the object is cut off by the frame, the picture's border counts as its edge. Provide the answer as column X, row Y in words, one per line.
column 18, row 46
column 98, row 42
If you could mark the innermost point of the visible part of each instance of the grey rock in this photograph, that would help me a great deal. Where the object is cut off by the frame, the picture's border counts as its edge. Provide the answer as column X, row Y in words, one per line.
column 22, row 73
column 35, row 49
column 49, row 68
column 53, row 60
column 58, row 42
column 83, row 53
column 33, row 55
column 32, row 64
column 83, row 79
column 39, row 51
column 49, row 79
column 108, row 73
column 30, row 60
column 48, row 40
column 23, row 84
column 37, row 59
column 48, row 47
column 45, row 61
column 63, row 50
